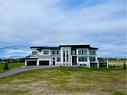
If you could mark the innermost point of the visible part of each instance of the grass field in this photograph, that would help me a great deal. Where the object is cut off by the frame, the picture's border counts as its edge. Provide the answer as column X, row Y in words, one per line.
column 11, row 66
column 66, row 81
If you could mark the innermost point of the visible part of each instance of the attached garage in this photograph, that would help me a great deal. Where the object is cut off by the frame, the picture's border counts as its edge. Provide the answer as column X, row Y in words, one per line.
column 31, row 63
column 44, row 62
column 93, row 65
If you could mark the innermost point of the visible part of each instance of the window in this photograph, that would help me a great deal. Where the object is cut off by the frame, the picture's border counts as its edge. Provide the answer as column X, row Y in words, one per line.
column 92, row 59
column 73, row 52
column 92, row 52
column 34, row 53
column 82, row 59
column 82, row 51
column 55, row 52
column 46, row 52
column 58, row 59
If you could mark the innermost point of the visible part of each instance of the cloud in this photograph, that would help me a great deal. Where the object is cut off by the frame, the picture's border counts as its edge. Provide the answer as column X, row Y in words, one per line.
column 52, row 22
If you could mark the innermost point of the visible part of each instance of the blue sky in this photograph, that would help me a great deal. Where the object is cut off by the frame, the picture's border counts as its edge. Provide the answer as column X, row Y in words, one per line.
column 100, row 23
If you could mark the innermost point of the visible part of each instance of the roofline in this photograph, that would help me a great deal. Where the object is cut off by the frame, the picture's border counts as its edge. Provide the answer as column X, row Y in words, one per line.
column 57, row 47
column 47, row 47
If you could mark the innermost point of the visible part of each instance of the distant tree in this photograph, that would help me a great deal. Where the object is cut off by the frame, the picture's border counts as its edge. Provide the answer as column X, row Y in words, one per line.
column 124, row 66
column 6, row 66
column 0, row 60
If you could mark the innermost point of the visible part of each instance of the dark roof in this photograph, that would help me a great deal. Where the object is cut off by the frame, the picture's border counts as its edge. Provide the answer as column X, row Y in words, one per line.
column 44, row 47
column 79, row 46
column 76, row 46
column 57, row 47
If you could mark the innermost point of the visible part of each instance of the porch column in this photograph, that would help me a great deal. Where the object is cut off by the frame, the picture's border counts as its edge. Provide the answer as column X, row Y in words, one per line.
column 25, row 63
column 37, row 62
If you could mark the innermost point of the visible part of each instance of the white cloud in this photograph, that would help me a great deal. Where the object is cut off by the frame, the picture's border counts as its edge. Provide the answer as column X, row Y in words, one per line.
column 48, row 22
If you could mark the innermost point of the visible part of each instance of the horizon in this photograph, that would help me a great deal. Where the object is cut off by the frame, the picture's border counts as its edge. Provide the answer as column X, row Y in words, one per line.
column 101, row 23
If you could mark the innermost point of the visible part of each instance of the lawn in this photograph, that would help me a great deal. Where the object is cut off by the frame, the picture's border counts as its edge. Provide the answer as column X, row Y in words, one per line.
column 11, row 66
column 65, row 81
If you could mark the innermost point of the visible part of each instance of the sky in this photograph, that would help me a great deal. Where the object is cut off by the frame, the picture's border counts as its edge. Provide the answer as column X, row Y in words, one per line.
column 25, row 23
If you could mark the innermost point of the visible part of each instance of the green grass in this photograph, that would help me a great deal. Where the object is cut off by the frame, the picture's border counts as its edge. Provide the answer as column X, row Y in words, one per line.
column 11, row 66
column 72, row 81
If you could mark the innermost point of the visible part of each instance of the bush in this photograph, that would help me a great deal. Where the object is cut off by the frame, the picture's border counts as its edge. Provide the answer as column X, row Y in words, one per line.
column 6, row 66
column 124, row 66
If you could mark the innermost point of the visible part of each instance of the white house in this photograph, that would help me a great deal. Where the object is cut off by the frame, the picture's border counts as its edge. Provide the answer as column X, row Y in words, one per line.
column 63, row 55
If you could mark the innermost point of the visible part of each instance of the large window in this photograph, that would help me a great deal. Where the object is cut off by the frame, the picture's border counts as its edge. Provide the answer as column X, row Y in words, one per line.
column 92, row 59
column 92, row 52
column 82, row 59
column 65, row 56
column 55, row 52
column 58, row 59
column 82, row 52
column 34, row 53
column 45, row 52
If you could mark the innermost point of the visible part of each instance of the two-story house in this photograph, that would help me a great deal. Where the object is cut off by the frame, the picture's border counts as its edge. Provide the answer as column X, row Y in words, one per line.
column 63, row 55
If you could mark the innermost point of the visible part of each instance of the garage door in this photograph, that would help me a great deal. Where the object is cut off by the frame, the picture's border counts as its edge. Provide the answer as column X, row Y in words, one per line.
column 45, row 62
column 31, row 63
column 93, row 65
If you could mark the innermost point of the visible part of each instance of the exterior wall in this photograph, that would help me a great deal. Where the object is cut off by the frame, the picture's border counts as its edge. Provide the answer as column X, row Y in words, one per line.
column 50, row 57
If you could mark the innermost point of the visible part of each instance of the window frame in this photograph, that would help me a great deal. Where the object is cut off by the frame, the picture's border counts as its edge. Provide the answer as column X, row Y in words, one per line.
column 34, row 54
column 46, row 50
column 92, row 60
column 91, row 52
column 82, row 51
column 58, row 60
column 82, row 60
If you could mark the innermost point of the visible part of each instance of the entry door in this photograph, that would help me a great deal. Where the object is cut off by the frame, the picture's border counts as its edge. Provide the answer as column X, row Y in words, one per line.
column 74, row 60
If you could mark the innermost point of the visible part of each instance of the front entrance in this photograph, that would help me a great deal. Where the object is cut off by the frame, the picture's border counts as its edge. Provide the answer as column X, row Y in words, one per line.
column 74, row 60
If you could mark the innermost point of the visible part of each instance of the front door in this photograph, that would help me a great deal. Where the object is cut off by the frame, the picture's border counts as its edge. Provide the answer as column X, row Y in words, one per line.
column 74, row 60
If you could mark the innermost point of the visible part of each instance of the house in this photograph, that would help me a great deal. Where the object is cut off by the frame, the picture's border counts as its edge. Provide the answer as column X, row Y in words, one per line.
column 63, row 55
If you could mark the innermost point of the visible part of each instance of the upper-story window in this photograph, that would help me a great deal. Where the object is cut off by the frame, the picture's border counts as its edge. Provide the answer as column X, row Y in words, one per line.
column 82, row 51
column 45, row 52
column 92, row 52
column 92, row 59
column 55, row 52
column 73, row 52
column 34, row 53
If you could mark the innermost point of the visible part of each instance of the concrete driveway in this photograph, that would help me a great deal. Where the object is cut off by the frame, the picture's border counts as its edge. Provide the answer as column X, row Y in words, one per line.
column 23, row 69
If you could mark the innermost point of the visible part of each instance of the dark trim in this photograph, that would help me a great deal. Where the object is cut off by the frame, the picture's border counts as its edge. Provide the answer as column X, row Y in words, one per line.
column 58, row 47
column 44, row 47
column 75, row 46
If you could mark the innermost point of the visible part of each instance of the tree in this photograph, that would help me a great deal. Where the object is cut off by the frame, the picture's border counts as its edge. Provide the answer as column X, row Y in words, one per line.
column 6, row 66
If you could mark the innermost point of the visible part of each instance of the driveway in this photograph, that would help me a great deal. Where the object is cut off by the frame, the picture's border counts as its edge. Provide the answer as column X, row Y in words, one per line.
column 22, row 69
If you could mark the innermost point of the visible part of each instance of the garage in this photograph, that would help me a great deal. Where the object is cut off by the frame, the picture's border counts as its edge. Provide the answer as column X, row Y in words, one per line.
column 31, row 63
column 93, row 65
column 44, row 62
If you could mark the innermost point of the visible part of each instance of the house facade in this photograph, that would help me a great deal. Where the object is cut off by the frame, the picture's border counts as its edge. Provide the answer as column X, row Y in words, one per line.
column 63, row 55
